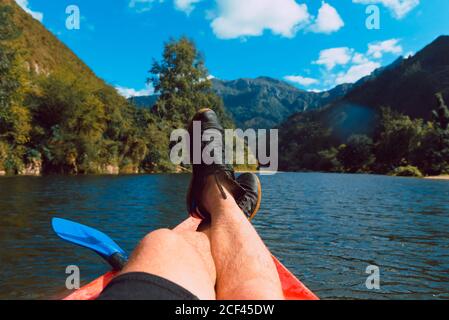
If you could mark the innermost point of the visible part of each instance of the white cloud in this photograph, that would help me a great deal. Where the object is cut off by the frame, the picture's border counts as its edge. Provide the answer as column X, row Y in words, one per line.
column 130, row 92
column 356, row 72
column 330, row 58
column 377, row 49
column 399, row 8
column 362, row 65
column 301, row 80
column 25, row 6
column 186, row 6
column 354, row 65
column 142, row 5
column 328, row 20
column 237, row 18
column 359, row 58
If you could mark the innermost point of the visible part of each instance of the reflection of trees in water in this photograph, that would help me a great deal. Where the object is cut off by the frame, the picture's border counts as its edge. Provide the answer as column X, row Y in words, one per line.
column 22, row 205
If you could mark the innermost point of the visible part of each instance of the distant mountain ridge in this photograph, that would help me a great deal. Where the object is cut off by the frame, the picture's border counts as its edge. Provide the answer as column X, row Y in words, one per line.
column 408, row 86
column 263, row 102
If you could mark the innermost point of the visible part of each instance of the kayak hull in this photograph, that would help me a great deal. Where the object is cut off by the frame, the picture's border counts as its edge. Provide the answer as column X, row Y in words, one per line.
column 292, row 287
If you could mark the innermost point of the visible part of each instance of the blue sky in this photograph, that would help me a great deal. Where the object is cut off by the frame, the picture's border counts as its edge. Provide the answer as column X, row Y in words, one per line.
column 312, row 44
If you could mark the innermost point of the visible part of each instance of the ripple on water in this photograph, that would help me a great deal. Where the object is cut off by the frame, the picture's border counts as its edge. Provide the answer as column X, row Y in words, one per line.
column 326, row 228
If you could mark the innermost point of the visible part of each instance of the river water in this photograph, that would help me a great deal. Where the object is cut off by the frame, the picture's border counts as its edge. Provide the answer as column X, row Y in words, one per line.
column 326, row 228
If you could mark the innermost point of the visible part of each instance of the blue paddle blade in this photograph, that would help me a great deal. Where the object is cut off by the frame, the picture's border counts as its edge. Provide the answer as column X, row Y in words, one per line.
column 86, row 237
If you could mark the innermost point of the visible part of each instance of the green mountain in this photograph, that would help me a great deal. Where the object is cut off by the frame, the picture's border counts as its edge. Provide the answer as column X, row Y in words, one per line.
column 407, row 86
column 263, row 102
column 57, row 116
column 411, row 88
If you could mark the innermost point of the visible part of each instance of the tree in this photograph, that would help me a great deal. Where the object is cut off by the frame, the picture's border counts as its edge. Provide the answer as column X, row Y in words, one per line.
column 441, row 118
column 357, row 154
column 397, row 139
column 328, row 160
column 433, row 155
column 441, row 115
column 302, row 142
column 14, row 117
column 182, row 82
column 157, row 158
column 70, row 124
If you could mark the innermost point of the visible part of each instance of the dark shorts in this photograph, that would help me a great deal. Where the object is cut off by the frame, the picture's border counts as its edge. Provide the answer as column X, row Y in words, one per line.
column 144, row 286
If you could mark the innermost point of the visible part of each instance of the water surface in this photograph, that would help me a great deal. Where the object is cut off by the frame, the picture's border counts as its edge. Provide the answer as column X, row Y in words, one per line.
column 326, row 228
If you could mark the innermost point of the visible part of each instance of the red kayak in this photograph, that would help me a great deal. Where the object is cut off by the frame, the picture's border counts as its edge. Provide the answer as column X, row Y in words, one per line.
column 293, row 288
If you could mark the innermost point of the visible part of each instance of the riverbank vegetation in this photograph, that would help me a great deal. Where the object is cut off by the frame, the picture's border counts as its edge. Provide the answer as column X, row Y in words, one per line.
column 400, row 145
column 59, row 118
column 56, row 116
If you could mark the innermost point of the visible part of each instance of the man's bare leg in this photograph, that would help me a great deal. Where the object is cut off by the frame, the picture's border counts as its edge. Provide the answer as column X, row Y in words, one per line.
column 183, row 258
column 245, row 268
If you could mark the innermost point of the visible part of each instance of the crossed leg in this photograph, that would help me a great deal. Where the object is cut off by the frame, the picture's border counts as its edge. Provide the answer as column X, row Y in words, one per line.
column 224, row 260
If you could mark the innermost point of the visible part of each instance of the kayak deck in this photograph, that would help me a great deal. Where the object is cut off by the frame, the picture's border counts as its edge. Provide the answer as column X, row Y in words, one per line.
column 292, row 287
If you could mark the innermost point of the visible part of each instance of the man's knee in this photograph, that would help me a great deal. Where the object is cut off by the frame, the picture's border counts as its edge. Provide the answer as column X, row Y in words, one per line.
column 167, row 240
column 160, row 238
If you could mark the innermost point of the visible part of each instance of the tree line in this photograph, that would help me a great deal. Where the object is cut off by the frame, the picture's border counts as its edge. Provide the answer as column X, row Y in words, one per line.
column 73, row 125
column 399, row 146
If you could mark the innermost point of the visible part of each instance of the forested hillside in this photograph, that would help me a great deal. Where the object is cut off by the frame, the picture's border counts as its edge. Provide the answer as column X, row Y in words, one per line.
column 57, row 116
column 392, row 121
